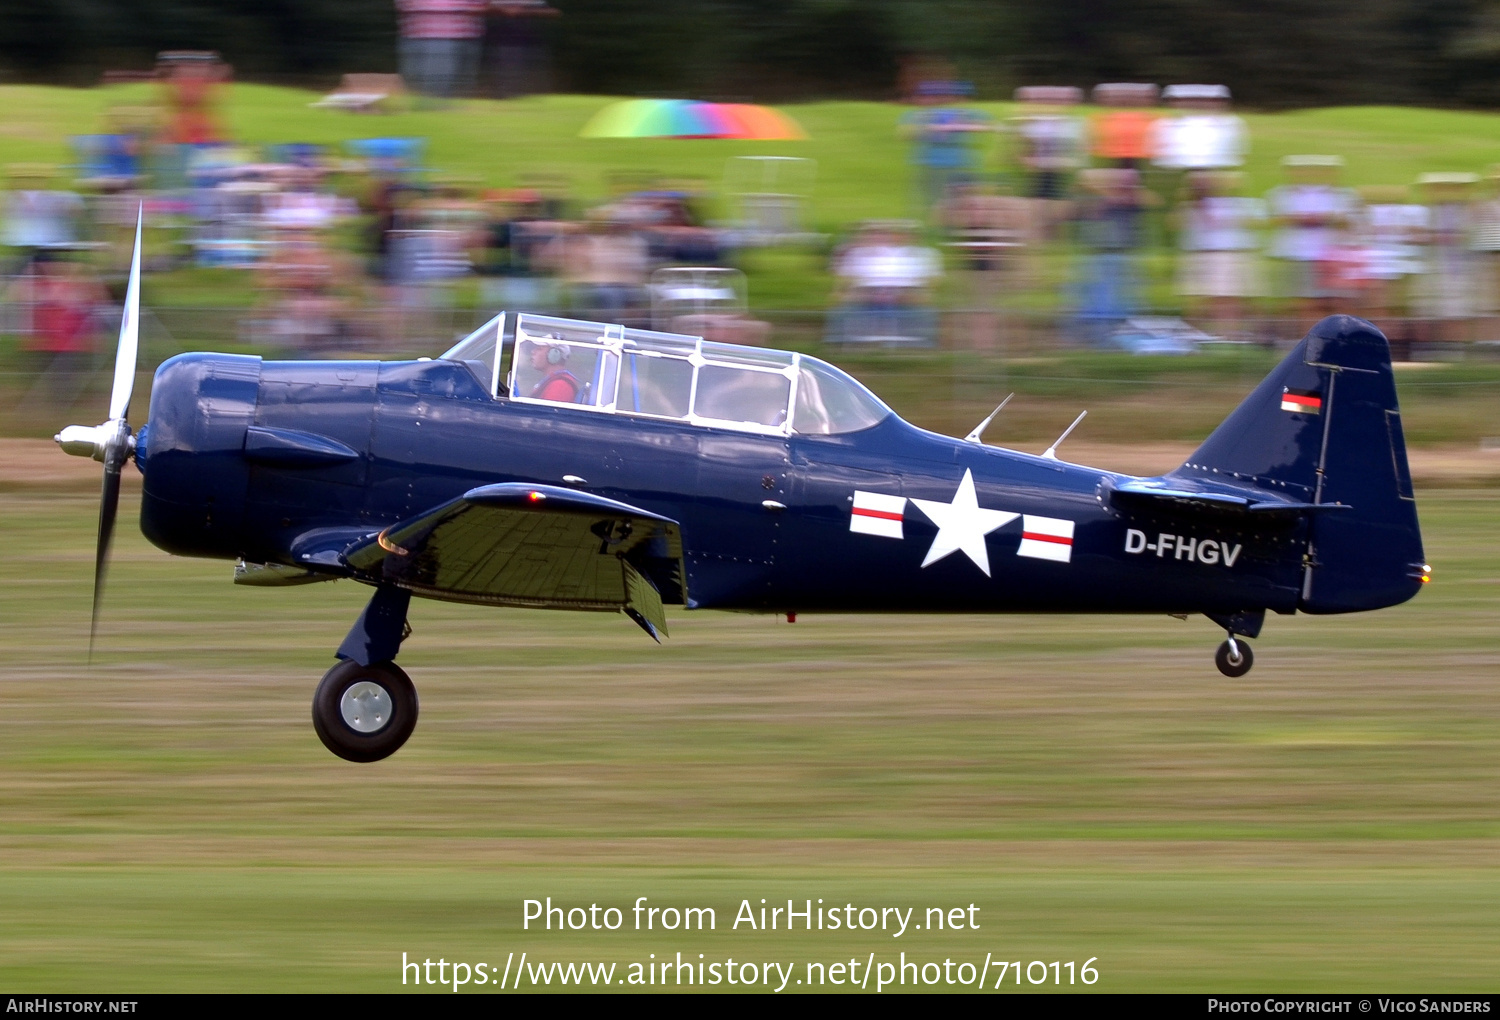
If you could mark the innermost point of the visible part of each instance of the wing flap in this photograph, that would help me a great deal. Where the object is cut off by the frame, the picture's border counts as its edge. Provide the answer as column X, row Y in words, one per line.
column 537, row 546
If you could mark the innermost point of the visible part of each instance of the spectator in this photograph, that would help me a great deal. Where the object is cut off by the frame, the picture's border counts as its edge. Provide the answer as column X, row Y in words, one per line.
column 519, row 231
column 670, row 227
column 192, row 79
column 1205, row 135
column 606, row 267
column 1050, row 143
column 988, row 232
column 1392, row 230
column 1124, row 132
column 1201, row 135
column 517, row 46
column 39, row 217
column 1486, row 243
column 1219, row 242
column 455, row 226
column 298, row 204
column 303, row 283
column 440, row 45
column 943, row 136
column 67, row 303
column 1311, row 212
column 885, row 279
column 1447, row 297
column 1110, row 220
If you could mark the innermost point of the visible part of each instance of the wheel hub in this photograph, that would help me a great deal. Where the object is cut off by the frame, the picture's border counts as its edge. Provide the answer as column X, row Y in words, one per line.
column 366, row 707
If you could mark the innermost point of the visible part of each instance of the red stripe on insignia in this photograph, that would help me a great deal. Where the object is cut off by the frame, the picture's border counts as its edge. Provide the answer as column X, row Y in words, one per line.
column 1036, row 536
column 884, row 515
column 1293, row 398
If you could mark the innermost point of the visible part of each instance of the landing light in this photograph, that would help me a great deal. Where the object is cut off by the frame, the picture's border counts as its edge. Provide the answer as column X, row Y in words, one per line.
column 389, row 546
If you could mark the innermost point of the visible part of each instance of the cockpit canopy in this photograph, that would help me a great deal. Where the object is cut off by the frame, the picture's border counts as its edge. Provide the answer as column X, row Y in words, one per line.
column 616, row 370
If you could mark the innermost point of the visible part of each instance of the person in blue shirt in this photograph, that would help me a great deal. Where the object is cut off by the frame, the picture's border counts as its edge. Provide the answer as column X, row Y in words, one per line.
column 944, row 138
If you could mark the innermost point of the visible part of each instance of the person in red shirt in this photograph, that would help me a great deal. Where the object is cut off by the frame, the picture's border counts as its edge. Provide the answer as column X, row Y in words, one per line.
column 556, row 382
column 192, row 79
column 66, row 303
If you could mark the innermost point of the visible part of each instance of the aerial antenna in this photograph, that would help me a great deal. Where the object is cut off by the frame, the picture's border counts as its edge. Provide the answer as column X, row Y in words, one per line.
column 1051, row 453
column 973, row 437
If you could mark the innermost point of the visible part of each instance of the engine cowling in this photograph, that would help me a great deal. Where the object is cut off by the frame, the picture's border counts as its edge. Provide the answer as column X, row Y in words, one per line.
column 191, row 452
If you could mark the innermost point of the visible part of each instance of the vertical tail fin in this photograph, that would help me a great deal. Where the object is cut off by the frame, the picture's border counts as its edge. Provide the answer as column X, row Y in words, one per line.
column 1324, row 427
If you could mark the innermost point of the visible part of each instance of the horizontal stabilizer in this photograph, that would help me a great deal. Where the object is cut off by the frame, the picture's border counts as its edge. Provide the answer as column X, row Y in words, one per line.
column 538, row 546
column 1152, row 496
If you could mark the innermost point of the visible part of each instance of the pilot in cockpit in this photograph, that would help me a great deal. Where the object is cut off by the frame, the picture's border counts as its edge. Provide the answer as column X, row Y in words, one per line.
column 548, row 362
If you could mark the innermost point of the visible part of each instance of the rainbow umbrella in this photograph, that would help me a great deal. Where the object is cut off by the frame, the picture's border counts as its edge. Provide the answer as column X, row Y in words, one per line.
column 683, row 118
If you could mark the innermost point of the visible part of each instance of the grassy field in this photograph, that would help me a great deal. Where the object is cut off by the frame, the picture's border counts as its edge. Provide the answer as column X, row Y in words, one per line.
column 168, row 820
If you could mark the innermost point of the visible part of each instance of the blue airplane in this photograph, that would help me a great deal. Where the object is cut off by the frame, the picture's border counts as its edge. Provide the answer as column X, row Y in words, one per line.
column 560, row 464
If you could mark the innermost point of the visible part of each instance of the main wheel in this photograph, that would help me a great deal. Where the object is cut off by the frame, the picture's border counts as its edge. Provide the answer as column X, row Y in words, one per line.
column 1235, row 659
column 364, row 713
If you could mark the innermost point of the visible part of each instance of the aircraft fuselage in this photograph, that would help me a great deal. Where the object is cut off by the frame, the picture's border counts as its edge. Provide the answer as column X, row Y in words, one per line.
column 266, row 460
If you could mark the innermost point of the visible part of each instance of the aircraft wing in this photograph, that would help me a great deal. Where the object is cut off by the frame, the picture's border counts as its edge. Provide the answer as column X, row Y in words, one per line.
column 537, row 546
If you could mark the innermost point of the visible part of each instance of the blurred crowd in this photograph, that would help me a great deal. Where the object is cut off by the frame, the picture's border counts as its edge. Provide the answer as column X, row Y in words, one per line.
column 361, row 247
column 1125, row 226
column 1141, row 205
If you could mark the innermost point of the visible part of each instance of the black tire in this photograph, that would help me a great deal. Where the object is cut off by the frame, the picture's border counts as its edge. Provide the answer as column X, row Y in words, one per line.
column 344, row 740
column 1246, row 659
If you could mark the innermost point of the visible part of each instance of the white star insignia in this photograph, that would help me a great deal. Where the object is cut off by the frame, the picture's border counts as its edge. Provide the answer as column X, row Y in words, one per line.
column 962, row 525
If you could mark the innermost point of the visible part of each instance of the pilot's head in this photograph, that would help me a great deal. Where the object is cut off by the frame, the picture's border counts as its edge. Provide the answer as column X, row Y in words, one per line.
column 544, row 355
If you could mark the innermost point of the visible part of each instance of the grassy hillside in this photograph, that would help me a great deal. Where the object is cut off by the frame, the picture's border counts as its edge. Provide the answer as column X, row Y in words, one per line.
column 861, row 161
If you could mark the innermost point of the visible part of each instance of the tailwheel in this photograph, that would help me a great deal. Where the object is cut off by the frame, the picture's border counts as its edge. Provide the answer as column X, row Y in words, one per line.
column 1234, row 657
column 364, row 713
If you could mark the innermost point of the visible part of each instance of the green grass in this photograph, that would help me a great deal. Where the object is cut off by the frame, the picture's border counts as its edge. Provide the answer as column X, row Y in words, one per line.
column 862, row 167
column 168, row 820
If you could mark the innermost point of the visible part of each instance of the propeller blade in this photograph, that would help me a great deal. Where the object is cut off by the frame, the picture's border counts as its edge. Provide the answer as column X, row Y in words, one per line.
column 112, row 441
column 130, row 331
column 115, row 452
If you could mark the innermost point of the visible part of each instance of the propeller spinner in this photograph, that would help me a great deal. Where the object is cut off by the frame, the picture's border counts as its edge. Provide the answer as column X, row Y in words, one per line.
column 112, row 443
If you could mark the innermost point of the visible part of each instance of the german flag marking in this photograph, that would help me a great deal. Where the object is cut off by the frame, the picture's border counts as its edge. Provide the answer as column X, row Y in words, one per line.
column 1302, row 401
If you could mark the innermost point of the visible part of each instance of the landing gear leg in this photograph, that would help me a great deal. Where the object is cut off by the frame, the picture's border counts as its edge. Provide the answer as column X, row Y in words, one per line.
column 1234, row 657
column 366, row 706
